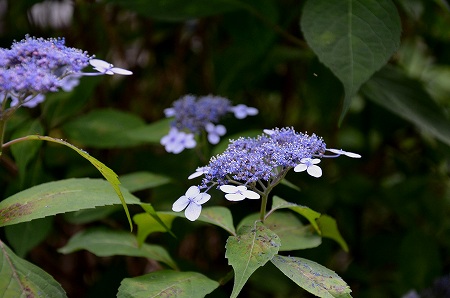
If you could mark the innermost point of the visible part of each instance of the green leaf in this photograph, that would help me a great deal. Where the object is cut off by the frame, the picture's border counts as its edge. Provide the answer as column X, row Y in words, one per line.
column 312, row 277
column 166, row 283
column 20, row 278
column 250, row 249
column 293, row 234
column 309, row 214
column 59, row 197
column 142, row 180
column 103, row 169
column 328, row 228
column 353, row 38
column 105, row 243
column 405, row 97
column 147, row 224
column 103, row 129
column 219, row 216
column 90, row 215
column 25, row 152
column 25, row 236
column 178, row 10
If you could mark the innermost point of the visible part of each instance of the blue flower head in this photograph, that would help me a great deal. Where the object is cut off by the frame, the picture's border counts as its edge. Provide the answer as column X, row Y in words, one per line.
column 201, row 114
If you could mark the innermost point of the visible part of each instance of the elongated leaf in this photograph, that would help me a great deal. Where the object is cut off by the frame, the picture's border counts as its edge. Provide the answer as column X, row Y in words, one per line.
column 90, row 215
column 20, row 278
column 166, row 283
column 309, row 214
column 293, row 234
column 103, row 169
column 103, row 129
column 176, row 10
column 147, row 224
column 142, row 180
column 328, row 228
column 312, row 277
column 406, row 98
column 59, row 197
column 105, row 243
column 253, row 247
column 353, row 38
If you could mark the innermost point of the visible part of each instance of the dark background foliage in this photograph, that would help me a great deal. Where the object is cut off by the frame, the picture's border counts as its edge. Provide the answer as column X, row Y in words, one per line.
column 392, row 206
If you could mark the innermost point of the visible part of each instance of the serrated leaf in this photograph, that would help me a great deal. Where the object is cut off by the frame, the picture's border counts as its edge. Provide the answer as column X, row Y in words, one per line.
column 59, row 197
column 20, row 278
column 353, row 38
column 309, row 214
column 147, row 224
column 105, row 128
column 293, row 234
column 406, row 98
column 166, row 283
column 253, row 247
column 312, row 277
column 142, row 180
column 102, row 168
column 329, row 229
column 105, row 243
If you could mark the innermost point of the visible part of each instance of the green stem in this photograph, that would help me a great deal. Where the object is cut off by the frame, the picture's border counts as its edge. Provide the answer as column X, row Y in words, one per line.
column 262, row 213
column 2, row 133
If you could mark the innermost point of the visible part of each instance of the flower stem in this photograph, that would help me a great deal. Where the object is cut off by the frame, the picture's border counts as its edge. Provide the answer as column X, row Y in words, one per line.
column 262, row 213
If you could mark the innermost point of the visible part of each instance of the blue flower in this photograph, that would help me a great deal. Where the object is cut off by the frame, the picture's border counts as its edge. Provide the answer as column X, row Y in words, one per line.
column 310, row 165
column 214, row 132
column 192, row 201
column 238, row 193
column 176, row 141
column 241, row 111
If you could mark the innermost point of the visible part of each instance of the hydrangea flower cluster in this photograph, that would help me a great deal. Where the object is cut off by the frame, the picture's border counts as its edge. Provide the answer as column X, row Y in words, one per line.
column 194, row 115
column 35, row 66
column 251, row 167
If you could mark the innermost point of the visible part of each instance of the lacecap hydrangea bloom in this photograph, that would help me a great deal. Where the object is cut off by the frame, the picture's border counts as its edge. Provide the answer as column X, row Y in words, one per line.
column 251, row 167
column 194, row 115
column 33, row 67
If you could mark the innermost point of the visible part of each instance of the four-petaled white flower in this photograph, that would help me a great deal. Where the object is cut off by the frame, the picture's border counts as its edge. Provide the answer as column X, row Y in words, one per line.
column 241, row 111
column 346, row 153
column 309, row 164
column 238, row 193
column 107, row 68
column 192, row 201
column 176, row 141
column 214, row 132
column 198, row 172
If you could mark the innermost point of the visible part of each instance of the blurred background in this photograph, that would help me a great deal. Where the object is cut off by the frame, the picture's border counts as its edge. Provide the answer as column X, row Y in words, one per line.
column 392, row 206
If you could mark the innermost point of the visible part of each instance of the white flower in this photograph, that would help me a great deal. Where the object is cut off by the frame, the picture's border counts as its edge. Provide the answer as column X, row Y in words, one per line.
column 198, row 172
column 238, row 193
column 241, row 111
column 192, row 201
column 176, row 141
column 169, row 112
column 309, row 164
column 214, row 132
column 107, row 68
column 342, row 152
column 269, row 131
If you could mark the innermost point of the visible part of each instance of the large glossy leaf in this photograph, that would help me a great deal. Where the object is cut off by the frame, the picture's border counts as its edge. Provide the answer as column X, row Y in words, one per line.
column 406, row 98
column 312, row 277
column 166, row 283
column 178, row 10
column 253, row 247
column 142, row 180
column 293, row 234
column 59, row 197
column 105, row 243
column 103, row 129
column 20, row 278
column 353, row 38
